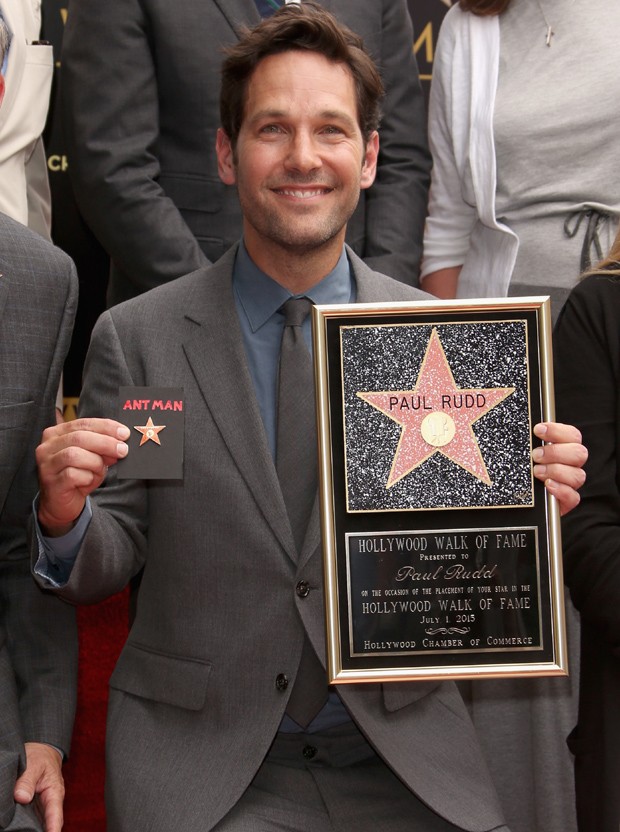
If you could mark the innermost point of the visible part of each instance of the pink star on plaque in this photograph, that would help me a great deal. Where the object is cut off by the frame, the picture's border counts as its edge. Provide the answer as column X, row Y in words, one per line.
column 436, row 416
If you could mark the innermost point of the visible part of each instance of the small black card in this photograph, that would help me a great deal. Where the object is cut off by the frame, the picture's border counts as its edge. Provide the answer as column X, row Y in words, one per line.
column 155, row 416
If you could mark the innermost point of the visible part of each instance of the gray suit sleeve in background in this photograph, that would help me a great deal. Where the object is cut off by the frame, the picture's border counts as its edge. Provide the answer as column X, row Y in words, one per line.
column 140, row 105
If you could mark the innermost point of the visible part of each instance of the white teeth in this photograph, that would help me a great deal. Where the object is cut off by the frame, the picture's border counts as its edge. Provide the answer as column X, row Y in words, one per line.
column 301, row 194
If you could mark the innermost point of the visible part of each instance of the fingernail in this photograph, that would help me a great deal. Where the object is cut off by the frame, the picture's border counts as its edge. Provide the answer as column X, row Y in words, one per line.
column 537, row 454
column 122, row 449
column 540, row 470
column 540, row 429
column 123, row 432
column 22, row 794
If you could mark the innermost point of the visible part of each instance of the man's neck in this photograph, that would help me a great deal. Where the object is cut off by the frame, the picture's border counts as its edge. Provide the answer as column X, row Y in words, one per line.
column 296, row 270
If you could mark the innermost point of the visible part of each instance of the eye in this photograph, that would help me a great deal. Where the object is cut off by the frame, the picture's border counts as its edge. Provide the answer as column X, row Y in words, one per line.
column 332, row 130
column 270, row 129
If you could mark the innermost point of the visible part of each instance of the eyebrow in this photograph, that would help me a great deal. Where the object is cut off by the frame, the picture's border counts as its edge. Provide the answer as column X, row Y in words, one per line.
column 324, row 115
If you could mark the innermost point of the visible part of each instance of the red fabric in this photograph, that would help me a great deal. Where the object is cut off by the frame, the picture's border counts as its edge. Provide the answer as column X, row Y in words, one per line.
column 103, row 630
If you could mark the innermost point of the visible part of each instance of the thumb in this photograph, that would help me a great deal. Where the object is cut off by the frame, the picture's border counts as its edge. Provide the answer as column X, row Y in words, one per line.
column 25, row 786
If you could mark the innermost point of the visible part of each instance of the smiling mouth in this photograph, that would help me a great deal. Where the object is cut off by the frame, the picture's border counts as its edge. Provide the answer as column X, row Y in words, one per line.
column 302, row 194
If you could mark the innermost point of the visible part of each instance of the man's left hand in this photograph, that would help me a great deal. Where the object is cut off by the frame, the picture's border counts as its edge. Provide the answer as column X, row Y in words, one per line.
column 559, row 462
column 42, row 781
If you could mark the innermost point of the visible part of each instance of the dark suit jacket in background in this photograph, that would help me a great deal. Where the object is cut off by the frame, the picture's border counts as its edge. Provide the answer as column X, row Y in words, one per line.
column 587, row 349
column 38, row 639
column 194, row 704
column 140, row 84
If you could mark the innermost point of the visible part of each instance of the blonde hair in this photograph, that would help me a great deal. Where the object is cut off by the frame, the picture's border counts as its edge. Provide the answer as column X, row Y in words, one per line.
column 611, row 263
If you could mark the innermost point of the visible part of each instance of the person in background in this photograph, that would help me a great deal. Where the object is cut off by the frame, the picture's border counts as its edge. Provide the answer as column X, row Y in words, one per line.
column 26, row 70
column 38, row 299
column 522, row 197
column 140, row 87
column 26, row 65
column 587, row 372
column 38, row 637
column 220, row 716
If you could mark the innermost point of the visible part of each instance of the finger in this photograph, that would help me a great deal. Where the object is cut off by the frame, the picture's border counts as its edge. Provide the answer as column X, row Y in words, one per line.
column 567, row 497
column 109, row 427
column 25, row 785
column 557, row 432
column 562, row 474
column 88, row 451
column 102, row 441
column 569, row 454
column 50, row 806
column 42, row 780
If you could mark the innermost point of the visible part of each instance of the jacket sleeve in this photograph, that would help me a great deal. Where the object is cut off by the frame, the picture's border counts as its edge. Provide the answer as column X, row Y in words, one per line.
column 587, row 382
column 451, row 218
column 396, row 203
column 41, row 631
column 113, row 549
column 110, row 114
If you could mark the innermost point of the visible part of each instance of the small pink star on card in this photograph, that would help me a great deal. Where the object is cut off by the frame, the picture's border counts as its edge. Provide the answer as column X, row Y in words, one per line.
column 149, row 432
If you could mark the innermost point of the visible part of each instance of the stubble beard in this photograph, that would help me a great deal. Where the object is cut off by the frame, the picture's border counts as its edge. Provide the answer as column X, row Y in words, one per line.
column 297, row 235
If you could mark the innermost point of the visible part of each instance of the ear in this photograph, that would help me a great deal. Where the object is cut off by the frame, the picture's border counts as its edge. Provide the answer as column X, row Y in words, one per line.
column 369, row 167
column 225, row 158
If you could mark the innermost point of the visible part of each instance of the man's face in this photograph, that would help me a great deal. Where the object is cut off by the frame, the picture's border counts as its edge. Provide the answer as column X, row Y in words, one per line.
column 300, row 159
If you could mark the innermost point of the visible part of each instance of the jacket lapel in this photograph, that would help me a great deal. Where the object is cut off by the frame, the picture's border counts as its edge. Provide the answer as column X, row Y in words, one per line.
column 216, row 354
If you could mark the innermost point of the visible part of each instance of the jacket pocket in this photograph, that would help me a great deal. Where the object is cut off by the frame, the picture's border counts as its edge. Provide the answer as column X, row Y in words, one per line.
column 171, row 680
column 15, row 416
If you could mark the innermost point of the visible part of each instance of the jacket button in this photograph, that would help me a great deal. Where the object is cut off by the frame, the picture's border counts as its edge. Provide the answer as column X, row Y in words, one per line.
column 309, row 751
column 281, row 682
column 303, row 589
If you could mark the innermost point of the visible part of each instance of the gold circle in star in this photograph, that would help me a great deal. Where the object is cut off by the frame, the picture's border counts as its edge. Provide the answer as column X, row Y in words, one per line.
column 438, row 429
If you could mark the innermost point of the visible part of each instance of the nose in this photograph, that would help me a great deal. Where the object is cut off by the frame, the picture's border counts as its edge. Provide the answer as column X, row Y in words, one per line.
column 303, row 155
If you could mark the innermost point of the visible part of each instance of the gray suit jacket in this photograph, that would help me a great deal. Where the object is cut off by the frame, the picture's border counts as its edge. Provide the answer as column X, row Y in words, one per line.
column 38, row 640
column 140, row 86
column 194, row 704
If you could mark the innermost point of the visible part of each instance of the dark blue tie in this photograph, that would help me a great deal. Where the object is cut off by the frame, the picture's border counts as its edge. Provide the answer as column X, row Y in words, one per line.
column 268, row 7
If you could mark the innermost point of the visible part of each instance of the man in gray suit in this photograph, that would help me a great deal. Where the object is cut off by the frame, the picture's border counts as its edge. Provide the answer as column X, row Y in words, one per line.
column 204, row 724
column 38, row 638
column 140, row 102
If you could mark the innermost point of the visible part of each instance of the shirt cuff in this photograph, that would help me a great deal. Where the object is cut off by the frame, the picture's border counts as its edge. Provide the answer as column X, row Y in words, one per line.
column 57, row 555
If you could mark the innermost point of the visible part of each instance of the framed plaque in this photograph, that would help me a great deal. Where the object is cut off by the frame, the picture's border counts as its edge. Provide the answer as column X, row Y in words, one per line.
column 441, row 549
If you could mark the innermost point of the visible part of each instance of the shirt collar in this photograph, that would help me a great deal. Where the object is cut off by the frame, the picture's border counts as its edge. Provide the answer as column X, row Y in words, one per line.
column 260, row 296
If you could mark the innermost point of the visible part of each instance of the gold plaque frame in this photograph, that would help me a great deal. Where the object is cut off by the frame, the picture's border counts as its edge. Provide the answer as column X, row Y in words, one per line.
column 442, row 554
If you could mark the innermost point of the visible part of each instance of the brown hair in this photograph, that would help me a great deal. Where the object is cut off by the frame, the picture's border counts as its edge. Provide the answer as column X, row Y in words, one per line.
column 484, row 8
column 306, row 27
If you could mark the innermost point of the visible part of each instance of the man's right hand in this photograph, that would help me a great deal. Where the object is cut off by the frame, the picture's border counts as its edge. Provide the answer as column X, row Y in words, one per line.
column 73, row 459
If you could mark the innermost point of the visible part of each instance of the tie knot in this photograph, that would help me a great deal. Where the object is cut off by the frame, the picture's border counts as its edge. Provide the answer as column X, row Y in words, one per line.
column 296, row 310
